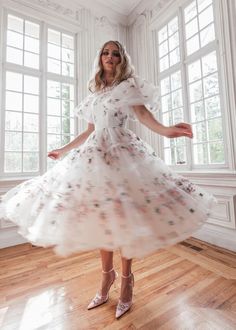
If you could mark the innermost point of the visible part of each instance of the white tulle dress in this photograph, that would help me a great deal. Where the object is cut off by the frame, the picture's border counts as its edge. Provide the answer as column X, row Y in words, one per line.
column 112, row 192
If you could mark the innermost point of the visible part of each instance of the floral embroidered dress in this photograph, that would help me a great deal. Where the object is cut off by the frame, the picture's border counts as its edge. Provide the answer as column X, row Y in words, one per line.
column 112, row 192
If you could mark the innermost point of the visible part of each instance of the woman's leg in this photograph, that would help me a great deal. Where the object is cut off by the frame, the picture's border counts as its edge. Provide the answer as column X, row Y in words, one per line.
column 107, row 275
column 126, row 280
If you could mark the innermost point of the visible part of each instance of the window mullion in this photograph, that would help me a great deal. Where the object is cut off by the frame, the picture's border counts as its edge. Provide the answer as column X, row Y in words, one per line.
column 43, row 98
column 185, row 84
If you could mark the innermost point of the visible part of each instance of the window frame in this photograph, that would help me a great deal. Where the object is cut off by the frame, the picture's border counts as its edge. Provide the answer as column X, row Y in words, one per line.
column 43, row 76
column 216, row 45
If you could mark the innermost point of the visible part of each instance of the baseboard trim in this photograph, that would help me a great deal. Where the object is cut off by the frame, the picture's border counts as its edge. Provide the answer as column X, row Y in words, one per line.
column 217, row 235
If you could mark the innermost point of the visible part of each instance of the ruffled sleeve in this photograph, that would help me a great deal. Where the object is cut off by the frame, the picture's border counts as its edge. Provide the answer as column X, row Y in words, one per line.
column 84, row 109
column 137, row 91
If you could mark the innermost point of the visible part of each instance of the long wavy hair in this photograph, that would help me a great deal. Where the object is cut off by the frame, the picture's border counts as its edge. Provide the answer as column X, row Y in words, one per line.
column 124, row 69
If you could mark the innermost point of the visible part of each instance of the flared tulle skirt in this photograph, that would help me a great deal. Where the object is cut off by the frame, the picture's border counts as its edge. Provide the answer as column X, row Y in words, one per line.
column 112, row 192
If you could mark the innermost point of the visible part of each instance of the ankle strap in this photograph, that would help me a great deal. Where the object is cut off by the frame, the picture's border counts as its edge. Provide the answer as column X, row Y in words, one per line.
column 107, row 271
column 126, row 276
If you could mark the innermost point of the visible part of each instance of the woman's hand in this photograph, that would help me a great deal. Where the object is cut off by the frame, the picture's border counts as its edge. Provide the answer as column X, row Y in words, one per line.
column 56, row 154
column 178, row 130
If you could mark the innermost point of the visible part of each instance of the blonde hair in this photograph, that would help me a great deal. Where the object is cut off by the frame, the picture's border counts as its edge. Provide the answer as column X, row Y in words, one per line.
column 124, row 69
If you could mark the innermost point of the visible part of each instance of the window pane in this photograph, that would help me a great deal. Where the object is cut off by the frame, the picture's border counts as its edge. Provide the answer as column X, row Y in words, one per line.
column 206, row 17
column 174, row 57
column 54, row 107
column 165, row 86
column 209, row 63
column 194, row 71
column 199, row 132
column 15, row 23
column 177, row 99
column 65, row 139
column 67, row 92
column 191, row 28
column 31, row 85
column 190, row 11
column 68, row 69
column 31, row 123
column 193, row 45
column 54, row 124
column 54, row 66
column 30, row 162
column 178, row 116
column 174, row 41
column 31, row 103
column 54, row 51
column 211, row 85
column 15, row 39
column 217, row 153
column 207, row 35
column 67, row 41
column 31, row 60
column 200, row 154
column 162, row 34
column 13, row 162
column 181, row 155
column 212, row 106
column 54, row 89
column 67, row 55
column 197, row 112
column 54, row 37
column 166, row 103
column 173, row 26
column 67, row 125
column 196, row 91
column 176, row 80
column 13, row 121
column 163, row 49
column 169, row 156
column 53, row 141
column 31, row 142
column 202, row 4
column 215, row 129
column 32, row 44
column 14, row 56
column 14, row 81
column 13, row 101
column 32, row 29
column 65, row 108
column 167, row 118
column 164, row 63
column 13, row 141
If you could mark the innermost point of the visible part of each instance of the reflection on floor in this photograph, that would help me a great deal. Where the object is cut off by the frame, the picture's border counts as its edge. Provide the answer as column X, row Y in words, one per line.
column 191, row 285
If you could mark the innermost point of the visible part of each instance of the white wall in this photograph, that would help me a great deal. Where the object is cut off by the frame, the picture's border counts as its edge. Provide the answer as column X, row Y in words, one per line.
column 98, row 25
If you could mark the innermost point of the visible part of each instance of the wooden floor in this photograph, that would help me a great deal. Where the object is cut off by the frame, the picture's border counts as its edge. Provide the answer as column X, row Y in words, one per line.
column 190, row 286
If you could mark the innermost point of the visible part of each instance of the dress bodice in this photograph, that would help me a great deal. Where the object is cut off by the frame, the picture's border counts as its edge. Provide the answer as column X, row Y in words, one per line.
column 113, row 106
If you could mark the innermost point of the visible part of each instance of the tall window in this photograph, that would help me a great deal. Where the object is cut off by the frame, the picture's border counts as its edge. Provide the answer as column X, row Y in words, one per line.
column 26, row 122
column 190, row 91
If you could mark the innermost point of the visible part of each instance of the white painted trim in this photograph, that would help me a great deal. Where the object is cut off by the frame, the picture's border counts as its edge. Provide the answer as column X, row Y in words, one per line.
column 222, row 237
column 60, row 16
column 10, row 237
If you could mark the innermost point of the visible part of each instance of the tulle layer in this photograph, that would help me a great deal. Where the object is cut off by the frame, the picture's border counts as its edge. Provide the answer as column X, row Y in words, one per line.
column 113, row 193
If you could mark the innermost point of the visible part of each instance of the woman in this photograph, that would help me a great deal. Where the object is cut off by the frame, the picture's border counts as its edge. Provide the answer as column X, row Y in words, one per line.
column 111, row 191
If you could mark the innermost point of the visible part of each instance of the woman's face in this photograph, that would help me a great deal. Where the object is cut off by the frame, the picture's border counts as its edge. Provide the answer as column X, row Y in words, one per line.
column 110, row 57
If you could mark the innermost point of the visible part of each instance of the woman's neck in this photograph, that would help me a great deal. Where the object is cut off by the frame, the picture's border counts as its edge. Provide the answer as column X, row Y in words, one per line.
column 108, row 78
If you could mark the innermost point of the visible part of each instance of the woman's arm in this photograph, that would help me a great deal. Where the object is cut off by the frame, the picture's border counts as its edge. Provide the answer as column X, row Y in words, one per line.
column 147, row 119
column 80, row 139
